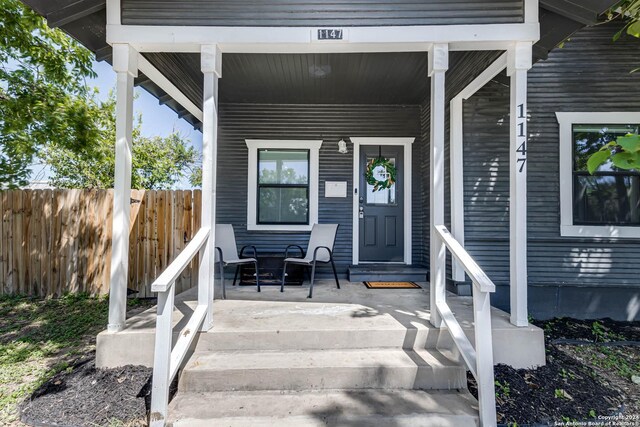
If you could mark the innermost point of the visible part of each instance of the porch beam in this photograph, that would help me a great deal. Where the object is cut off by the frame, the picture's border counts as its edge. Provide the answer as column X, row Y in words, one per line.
column 211, row 65
column 437, row 66
column 456, row 157
column 126, row 68
column 165, row 84
column 518, row 63
column 302, row 39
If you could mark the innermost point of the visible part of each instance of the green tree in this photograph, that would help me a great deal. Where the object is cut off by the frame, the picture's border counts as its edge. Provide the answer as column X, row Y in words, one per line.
column 157, row 162
column 624, row 152
column 629, row 11
column 42, row 92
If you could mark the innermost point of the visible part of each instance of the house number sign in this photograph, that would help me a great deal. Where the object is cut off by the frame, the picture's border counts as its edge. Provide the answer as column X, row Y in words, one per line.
column 329, row 34
column 522, row 138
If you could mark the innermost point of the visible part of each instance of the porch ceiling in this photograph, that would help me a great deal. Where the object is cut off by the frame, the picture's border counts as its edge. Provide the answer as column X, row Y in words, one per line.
column 354, row 78
column 326, row 78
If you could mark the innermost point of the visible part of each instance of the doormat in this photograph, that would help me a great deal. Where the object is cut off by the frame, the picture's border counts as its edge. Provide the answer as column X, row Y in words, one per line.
column 391, row 285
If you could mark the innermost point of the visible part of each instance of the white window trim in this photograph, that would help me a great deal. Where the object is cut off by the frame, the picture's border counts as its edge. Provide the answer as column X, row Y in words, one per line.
column 566, row 121
column 252, row 179
column 406, row 143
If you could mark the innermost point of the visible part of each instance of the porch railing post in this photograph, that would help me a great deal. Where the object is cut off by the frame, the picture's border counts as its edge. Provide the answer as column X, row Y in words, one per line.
column 211, row 65
column 162, row 359
column 125, row 64
column 484, row 357
column 518, row 62
column 438, row 65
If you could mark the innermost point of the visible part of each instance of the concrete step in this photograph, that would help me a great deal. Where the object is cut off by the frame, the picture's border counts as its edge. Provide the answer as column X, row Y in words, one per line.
column 378, row 272
column 321, row 369
column 280, row 325
column 400, row 408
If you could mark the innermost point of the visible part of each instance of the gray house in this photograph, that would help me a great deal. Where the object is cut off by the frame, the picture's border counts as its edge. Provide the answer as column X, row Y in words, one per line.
column 399, row 121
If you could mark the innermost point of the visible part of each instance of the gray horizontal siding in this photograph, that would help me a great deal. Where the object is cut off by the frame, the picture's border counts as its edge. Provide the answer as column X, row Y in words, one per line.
column 327, row 122
column 314, row 13
column 591, row 73
column 464, row 67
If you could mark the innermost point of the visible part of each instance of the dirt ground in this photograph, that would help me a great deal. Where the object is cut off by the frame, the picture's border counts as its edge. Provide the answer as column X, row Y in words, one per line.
column 45, row 340
column 591, row 365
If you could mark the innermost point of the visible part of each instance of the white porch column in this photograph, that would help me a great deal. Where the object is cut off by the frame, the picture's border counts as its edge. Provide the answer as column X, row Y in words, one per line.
column 211, row 65
column 518, row 62
column 125, row 64
column 438, row 65
column 456, row 173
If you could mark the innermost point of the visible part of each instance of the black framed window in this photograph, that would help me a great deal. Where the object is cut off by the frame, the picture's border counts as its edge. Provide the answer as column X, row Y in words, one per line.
column 283, row 186
column 611, row 196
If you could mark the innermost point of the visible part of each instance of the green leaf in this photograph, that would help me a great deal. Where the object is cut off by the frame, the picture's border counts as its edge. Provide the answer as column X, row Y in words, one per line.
column 634, row 29
column 597, row 159
column 630, row 143
column 626, row 160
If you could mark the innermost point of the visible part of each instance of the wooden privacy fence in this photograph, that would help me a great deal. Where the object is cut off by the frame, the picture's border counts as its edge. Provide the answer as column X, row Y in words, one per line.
column 57, row 241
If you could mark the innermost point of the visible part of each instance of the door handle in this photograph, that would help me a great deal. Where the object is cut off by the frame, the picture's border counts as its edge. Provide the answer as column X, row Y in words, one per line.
column 361, row 212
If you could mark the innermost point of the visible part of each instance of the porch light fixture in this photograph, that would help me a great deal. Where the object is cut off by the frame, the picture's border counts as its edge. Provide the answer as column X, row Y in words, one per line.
column 342, row 146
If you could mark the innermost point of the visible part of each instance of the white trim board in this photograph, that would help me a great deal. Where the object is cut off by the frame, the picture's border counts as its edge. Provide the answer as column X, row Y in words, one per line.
column 301, row 39
column 566, row 121
column 252, row 177
column 406, row 143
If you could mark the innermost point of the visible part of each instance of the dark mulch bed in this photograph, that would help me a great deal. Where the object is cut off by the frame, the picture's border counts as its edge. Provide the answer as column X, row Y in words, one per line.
column 86, row 396
column 601, row 330
column 578, row 383
column 562, row 390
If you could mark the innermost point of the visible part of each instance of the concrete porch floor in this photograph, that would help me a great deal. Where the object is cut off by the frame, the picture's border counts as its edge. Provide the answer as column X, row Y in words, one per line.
column 360, row 314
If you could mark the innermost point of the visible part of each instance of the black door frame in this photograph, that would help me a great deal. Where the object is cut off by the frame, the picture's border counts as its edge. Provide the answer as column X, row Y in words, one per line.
column 406, row 142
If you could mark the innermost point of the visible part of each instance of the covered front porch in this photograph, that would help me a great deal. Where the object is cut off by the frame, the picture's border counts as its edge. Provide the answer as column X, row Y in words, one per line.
column 388, row 105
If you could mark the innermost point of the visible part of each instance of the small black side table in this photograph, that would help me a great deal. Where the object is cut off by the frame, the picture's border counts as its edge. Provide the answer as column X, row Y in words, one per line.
column 270, row 266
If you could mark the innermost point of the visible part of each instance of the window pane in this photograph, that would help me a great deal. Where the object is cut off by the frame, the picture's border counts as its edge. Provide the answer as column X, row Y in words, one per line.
column 590, row 138
column 283, row 205
column 608, row 199
column 381, row 197
column 283, row 166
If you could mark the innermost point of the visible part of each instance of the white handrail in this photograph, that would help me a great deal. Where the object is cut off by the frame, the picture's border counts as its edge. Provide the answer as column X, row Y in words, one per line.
column 478, row 277
column 169, row 276
column 479, row 360
column 166, row 361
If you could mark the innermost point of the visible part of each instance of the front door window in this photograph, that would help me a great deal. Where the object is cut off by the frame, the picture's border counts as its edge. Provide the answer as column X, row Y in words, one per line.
column 385, row 196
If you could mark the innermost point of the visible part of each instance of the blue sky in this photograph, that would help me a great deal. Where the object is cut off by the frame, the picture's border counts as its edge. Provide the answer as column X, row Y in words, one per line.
column 157, row 120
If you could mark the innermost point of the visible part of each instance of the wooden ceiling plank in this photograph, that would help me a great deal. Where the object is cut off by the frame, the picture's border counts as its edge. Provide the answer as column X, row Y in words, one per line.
column 73, row 12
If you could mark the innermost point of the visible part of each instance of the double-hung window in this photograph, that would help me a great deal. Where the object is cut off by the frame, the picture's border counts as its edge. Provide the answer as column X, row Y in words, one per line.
column 607, row 203
column 282, row 185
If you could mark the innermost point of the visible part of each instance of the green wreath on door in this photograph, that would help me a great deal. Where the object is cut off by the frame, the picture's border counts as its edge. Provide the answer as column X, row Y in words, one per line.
column 372, row 180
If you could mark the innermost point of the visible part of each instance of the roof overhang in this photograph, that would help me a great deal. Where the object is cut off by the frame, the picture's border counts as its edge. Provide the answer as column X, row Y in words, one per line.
column 86, row 21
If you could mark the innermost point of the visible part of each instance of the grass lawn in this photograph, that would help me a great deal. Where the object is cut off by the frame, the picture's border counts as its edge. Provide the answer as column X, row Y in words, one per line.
column 39, row 338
